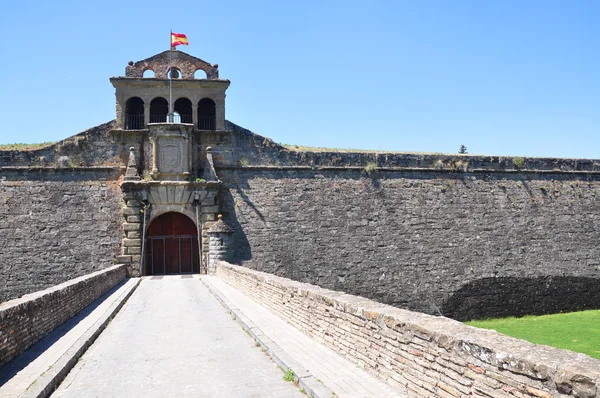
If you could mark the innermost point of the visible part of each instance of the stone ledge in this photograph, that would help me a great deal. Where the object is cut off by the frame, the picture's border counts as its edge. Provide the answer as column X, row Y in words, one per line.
column 412, row 169
column 42, row 377
column 61, row 169
column 25, row 320
column 510, row 363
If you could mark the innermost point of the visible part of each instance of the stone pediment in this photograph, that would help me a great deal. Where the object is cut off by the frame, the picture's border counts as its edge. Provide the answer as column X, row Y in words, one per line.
column 186, row 64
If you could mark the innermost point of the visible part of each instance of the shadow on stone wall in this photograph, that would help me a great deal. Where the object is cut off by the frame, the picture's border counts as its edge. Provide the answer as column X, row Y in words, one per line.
column 243, row 251
column 511, row 296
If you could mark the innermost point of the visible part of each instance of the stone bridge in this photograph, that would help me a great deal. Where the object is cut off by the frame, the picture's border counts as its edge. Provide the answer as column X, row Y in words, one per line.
column 183, row 335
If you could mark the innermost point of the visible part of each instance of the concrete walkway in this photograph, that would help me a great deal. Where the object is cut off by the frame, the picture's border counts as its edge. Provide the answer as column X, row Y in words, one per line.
column 173, row 339
column 304, row 355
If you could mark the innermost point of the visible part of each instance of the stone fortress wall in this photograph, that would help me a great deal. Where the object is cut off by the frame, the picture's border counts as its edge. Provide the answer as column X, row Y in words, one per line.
column 55, row 225
column 461, row 244
column 459, row 235
column 465, row 236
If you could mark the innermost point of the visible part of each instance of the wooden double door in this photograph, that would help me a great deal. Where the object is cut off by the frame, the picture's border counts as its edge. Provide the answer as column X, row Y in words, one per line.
column 171, row 246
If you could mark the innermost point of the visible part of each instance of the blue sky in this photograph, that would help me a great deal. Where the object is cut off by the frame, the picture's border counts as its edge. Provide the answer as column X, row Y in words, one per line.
column 501, row 77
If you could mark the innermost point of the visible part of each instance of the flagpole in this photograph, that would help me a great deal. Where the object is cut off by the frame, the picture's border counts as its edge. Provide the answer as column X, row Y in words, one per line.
column 170, row 78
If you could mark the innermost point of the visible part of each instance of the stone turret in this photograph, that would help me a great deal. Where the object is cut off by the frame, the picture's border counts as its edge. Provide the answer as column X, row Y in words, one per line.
column 220, row 244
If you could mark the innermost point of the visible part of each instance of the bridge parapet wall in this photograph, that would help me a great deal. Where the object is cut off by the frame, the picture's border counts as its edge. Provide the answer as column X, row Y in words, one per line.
column 26, row 320
column 420, row 354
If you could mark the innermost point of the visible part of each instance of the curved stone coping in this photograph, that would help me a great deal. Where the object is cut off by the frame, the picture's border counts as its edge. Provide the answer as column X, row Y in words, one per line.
column 26, row 320
column 423, row 353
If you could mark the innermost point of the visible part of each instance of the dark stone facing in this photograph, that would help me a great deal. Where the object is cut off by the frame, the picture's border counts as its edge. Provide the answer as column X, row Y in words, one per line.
column 55, row 226
column 461, row 244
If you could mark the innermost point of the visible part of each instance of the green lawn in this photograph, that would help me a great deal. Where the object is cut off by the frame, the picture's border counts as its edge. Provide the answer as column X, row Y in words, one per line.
column 575, row 331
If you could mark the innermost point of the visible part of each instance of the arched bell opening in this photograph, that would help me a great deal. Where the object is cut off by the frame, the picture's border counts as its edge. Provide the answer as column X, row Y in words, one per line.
column 207, row 114
column 183, row 107
column 134, row 114
column 171, row 246
column 159, row 109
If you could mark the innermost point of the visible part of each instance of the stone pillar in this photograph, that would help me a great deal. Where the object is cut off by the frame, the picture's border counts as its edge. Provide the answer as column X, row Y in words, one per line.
column 195, row 114
column 146, row 113
column 120, row 111
column 220, row 113
column 132, row 234
column 220, row 244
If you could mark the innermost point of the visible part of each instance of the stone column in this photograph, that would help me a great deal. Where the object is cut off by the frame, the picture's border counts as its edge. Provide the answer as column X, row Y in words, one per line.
column 132, row 233
column 146, row 113
column 220, row 244
column 195, row 114
column 220, row 113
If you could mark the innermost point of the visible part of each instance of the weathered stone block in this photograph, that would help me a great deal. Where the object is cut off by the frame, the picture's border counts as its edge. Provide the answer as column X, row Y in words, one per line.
column 132, row 242
column 131, row 226
column 208, row 217
column 130, row 211
column 133, row 203
column 133, row 250
column 133, row 234
column 210, row 209
column 123, row 259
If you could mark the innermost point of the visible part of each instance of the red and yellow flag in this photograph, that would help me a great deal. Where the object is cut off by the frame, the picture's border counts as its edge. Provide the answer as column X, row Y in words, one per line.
column 178, row 39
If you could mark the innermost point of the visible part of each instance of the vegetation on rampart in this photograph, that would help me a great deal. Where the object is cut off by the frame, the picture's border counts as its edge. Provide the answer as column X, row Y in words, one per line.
column 24, row 147
column 302, row 148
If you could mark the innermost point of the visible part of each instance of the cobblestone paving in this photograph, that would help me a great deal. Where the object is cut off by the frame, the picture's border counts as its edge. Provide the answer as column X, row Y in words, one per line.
column 173, row 339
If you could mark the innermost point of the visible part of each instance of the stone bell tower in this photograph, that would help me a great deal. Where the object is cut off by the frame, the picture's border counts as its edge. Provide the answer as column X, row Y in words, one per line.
column 170, row 188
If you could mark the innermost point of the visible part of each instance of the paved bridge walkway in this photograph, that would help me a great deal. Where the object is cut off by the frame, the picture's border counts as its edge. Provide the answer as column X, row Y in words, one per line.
column 173, row 339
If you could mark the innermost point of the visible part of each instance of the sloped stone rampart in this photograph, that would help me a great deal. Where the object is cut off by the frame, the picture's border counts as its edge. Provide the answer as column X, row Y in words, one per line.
column 420, row 354
column 467, row 245
column 56, row 225
column 26, row 320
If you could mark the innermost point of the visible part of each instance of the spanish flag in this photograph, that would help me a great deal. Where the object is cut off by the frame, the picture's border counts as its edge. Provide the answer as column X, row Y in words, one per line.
column 178, row 39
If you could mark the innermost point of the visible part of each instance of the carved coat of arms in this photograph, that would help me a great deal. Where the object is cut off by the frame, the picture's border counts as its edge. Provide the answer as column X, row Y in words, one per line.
column 170, row 157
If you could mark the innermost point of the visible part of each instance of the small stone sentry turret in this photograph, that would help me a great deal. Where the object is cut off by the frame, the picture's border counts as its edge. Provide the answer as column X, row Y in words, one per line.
column 220, row 244
column 132, row 173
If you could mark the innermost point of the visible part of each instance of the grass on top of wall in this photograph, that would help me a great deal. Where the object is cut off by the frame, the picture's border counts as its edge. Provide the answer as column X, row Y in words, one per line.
column 24, row 147
column 303, row 148
column 575, row 331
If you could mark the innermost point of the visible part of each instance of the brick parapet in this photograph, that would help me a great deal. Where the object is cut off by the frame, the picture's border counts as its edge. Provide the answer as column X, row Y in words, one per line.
column 26, row 320
column 419, row 354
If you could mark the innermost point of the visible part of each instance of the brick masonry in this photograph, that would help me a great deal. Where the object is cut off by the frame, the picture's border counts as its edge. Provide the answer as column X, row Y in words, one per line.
column 420, row 355
column 26, row 320
column 55, row 225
